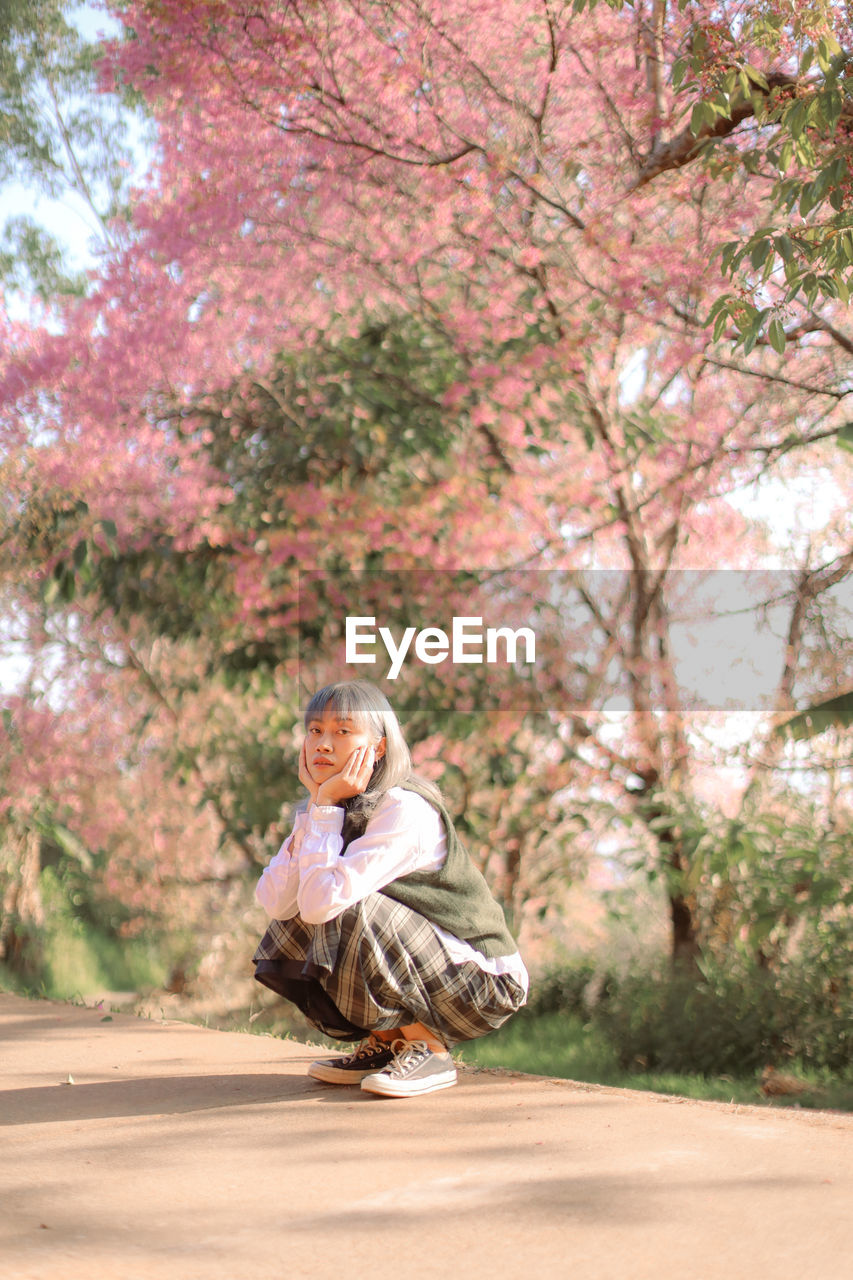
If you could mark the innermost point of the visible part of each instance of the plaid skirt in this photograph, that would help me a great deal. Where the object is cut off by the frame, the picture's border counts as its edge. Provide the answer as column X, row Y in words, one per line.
column 380, row 965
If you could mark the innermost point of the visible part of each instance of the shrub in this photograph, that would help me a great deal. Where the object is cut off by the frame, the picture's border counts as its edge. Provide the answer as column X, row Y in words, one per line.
column 675, row 1023
column 564, row 990
column 726, row 1020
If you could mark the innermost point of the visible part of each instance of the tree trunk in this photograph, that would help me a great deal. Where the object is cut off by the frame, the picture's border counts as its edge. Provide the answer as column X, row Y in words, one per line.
column 685, row 944
column 23, row 912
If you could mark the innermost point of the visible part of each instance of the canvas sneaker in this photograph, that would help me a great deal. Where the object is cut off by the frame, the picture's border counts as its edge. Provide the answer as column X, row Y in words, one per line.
column 416, row 1069
column 370, row 1056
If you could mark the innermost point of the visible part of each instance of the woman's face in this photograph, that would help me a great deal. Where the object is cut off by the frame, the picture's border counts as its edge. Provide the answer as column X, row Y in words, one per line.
column 332, row 739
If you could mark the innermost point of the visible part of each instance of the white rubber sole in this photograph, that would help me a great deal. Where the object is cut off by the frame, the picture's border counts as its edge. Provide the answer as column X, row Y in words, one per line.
column 389, row 1088
column 328, row 1074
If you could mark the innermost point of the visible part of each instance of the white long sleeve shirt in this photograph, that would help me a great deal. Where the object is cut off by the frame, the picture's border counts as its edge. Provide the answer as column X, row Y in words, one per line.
column 313, row 876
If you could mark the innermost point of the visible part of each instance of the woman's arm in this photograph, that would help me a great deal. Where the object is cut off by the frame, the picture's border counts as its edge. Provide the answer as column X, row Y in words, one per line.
column 276, row 889
column 404, row 834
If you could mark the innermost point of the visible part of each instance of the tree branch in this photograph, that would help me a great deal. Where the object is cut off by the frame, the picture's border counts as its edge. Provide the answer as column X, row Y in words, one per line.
column 686, row 146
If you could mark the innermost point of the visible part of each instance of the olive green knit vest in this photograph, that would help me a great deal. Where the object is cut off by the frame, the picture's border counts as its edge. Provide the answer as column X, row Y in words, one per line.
column 456, row 897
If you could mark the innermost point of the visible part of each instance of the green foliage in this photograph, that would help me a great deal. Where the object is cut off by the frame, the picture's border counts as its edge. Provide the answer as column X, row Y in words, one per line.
column 177, row 593
column 804, row 145
column 364, row 412
column 81, row 962
column 545, row 1044
column 568, row 990
column 59, row 135
column 31, row 257
column 782, row 868
column 732, row 1020
column 569, row 1047
column 76, row 951
column 248, row 779
column 358, row 408
column 766, row 882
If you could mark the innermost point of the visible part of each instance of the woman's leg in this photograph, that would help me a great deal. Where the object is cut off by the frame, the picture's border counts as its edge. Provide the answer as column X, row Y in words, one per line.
column 386, row 970
column 392, row 972
column 417, row 1031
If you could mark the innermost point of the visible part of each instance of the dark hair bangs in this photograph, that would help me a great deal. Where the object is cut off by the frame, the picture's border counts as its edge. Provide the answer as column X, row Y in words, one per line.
column 351, row 699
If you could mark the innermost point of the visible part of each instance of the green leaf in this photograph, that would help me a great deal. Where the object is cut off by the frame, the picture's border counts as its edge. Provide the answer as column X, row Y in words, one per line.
column 845, row 436
column 757, row 77
column 750, row 338
column 703, row 116
column 776, row 334
column 784, row 247
column 727, row 255
column 794, row 119
column 67, row 587
column 110, row 532
column 759, row 252
column 810, row 287
column 808, row 199
column 827, row 48
column 720, row 325
column 786, row 155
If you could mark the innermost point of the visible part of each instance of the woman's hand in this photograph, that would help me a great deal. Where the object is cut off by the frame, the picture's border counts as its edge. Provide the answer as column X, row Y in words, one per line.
column 351, row 781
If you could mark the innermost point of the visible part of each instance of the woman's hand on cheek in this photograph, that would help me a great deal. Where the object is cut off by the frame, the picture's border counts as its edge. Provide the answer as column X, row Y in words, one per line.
column 352, row 779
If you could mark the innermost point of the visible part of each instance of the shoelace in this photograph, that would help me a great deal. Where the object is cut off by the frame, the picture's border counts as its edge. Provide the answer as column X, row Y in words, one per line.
column 369, row 1048
column 409, row 1054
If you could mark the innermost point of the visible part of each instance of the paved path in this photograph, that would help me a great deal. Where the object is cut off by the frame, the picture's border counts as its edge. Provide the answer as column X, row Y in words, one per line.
column 179, row 1153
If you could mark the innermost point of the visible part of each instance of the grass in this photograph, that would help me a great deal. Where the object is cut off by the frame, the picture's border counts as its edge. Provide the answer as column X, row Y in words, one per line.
column 78, row 963
column 562, row 1045
column 75, row 962
column 558, row 1044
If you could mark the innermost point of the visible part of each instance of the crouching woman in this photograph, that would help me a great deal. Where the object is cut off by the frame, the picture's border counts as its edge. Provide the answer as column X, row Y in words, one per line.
column 382, row 929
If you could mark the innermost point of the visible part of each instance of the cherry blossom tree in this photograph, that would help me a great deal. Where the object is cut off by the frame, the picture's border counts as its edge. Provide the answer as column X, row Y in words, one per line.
column 506, row 202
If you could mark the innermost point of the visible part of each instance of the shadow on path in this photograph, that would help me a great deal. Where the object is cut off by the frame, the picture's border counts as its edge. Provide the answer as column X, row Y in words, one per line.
column 154, row 1095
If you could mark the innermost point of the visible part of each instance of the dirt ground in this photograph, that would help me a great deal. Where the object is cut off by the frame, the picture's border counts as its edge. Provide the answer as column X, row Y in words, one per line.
column 152, row 1150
